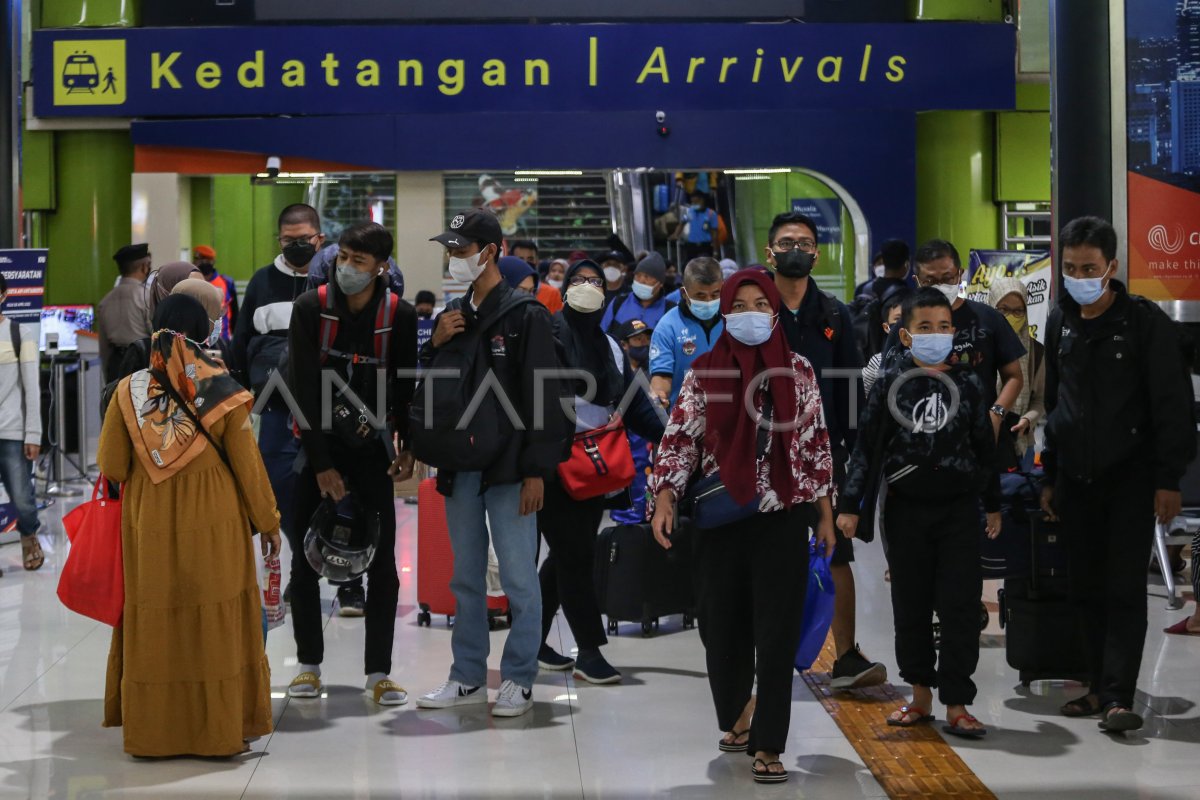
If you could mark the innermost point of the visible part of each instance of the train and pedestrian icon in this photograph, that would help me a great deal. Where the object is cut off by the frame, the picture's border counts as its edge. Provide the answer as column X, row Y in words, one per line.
column 89, row 72
column 81, row 73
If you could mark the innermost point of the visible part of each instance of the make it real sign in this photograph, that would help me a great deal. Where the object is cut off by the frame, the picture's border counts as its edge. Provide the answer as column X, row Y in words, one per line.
column 251, row 71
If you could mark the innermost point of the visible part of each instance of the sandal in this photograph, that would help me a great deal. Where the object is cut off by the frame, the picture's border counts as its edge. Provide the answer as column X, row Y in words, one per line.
column 386, row 687
column 966, row 733
column 764, row 775
column 306, row 685
column 920, row 717
column 1086, row 706
column 1181, row 628
column 734, row 746
column 31, row 553
column 1119, row 719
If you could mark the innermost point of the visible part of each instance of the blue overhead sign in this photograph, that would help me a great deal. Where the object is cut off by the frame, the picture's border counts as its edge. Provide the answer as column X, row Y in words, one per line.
column 337, row 70
column 826, row 213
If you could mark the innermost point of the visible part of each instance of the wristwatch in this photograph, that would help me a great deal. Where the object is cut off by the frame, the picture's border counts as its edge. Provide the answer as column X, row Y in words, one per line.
column 999, row 410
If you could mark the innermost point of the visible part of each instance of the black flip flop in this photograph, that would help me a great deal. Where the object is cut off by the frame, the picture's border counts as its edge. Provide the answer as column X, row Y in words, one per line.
column 1120, row 721
column 921, row 717
column 765, row 775
column 1080, row 707
column 725, row 747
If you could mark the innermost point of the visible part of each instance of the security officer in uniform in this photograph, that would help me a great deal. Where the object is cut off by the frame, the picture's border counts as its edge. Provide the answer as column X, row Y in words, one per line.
column 123, row 316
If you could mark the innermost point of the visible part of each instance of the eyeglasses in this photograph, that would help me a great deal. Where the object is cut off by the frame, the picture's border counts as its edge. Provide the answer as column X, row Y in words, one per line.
column 1010, row 311
column 804, row 245
column 288, row 240
column 579, row 280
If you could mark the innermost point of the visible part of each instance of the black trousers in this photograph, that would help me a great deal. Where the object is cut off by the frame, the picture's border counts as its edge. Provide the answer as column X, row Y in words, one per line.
column 570, row 528
column 1109, row 529
column 365, row 473
column 933, row 554
column 755, row 576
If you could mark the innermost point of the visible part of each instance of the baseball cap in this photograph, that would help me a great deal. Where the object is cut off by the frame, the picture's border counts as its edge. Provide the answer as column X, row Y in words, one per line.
column 204, row 251
column 477, row 224
column 632, row 328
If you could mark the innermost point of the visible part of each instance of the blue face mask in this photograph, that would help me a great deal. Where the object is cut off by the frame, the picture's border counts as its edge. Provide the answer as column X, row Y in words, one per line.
column 932, row 348
column 704, row 310
column 642, row 292
column 751, row 328
column 1084, row 291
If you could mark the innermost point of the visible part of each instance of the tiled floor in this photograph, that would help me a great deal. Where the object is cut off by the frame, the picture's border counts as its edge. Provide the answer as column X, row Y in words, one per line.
column 653, row 736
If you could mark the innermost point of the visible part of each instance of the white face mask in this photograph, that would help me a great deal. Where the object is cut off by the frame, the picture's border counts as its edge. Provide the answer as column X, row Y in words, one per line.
column 553, row 284
column 880, row 270
column 214, row 335
column 585, row 298
column 612, row 274
column 466, row 270
column 951, row 290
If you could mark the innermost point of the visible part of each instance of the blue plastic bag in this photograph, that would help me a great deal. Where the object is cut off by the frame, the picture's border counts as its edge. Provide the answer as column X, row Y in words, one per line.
column 818, row 609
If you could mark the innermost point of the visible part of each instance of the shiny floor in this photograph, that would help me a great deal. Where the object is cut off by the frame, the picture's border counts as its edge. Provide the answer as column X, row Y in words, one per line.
column 652, row 736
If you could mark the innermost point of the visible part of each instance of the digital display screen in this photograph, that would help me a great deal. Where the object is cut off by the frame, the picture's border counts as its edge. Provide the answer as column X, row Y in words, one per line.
column 66, row 321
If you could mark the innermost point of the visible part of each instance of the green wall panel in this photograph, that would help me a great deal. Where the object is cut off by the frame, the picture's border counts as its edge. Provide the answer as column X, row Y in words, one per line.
column 244, row 222
column 93, row 213
column 955, row 179
column 89, row 13
column 202, row 217
column 1032, row 96
column 1023, row 156
column 37, row 170
column 960, row 10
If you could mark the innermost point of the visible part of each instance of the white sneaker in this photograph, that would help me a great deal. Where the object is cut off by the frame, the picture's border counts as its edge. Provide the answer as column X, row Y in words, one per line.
column 451, row 694
column 513, row 700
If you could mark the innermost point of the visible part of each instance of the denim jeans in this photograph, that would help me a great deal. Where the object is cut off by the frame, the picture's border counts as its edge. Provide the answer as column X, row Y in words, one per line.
column 515, row 539
column 279, row 448
column 16, row 472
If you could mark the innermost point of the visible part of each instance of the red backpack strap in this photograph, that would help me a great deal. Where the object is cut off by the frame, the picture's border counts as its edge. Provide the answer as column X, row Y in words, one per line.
column 385, row 318
column 329, row 320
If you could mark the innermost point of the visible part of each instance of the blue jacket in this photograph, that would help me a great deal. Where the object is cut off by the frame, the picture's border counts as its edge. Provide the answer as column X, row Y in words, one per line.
column 678, row 340
column 625, row 307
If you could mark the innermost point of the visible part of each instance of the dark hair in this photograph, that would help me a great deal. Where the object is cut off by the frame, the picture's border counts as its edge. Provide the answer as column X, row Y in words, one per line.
column 524, row 244
column 3, row 284
column 923, row 298
column 790, row 218
column 938, row 248
column 894, row 254
column 425, row 296
column 697, row 193
column 1093, row 231
column 368, row 237
column 183, row 314
column 877, row 314
column 298, row 214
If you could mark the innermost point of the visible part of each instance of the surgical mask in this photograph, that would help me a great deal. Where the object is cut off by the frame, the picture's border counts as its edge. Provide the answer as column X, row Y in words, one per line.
column 879, row 270
column 751, row 328
column 640, row 354
column 643, row 292
column 300, row 252
column 932, row 348
column 585, row 298
column 612, row 274
column 951, row 291
column 795, row 263
column 214, row 335
column 553, row 284
column 1017, row 323
column 1084, row 291
column 697, row 207
column 704, row 311
column 466, row 270
column 351, row 281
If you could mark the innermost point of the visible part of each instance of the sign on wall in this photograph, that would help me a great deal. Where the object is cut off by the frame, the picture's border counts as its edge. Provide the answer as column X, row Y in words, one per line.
column 335, row 70
column 1034, row 269
column 826, row 212
column 25, row 273
column 1163, row 146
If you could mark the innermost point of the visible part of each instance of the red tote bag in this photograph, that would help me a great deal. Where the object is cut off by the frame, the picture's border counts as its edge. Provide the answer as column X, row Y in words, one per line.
column 600, row 463
column 93, row 579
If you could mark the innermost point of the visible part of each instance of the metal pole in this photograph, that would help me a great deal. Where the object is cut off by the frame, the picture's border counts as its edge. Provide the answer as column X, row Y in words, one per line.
column 59, row 378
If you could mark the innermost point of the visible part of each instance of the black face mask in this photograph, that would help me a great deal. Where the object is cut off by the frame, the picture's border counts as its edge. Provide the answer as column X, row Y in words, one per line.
column 299, row 253
column 640, row 355
column 795, row 263
column 206, row 267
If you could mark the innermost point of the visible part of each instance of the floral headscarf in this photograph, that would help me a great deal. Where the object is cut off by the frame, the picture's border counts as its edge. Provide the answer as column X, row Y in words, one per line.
column 164, row 437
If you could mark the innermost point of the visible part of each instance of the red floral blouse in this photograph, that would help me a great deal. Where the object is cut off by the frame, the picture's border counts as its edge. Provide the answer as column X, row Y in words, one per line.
column 683, row 447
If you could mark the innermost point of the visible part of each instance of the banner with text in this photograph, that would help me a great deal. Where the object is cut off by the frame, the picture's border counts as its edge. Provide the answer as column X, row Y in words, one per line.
column 1033, row 267
column 337, row 70
column 25, row 273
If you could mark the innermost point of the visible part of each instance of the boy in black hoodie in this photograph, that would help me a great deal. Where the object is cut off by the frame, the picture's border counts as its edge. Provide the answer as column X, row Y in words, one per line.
column 937, row 458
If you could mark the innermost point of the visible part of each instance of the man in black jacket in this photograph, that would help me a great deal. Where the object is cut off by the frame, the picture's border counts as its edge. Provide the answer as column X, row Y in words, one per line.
column 375, row 337
column 508, row 492
column 1119, row 435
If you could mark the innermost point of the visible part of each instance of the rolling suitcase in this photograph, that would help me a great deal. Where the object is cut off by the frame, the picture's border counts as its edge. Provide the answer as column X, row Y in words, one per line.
column 639, row 581
column 1010, row 554
column 435, row 563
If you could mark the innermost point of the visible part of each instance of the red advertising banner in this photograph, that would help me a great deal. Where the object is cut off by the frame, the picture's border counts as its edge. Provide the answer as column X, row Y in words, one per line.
column 1164, row 240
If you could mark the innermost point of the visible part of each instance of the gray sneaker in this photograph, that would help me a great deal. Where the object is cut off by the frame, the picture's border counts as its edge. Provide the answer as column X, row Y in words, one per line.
column 451, row 694
column 513, row 700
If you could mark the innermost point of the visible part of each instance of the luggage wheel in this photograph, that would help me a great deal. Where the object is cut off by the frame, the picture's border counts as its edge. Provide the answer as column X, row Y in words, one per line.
column 612, row 627
column 649, row 627
column 689, row 622
column 424, row 619
column 983, row 617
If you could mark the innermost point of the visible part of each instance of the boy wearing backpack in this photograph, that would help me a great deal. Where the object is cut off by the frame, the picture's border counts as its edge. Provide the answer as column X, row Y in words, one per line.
column 357, row 329
column 491, row 467
column 1120, row 433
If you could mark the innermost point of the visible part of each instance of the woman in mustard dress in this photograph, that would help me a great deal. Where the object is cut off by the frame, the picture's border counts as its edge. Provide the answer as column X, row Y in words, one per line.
column 187, row 673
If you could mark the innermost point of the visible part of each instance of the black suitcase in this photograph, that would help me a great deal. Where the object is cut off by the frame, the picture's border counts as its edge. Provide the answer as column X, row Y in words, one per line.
column 1010, row 554
column 638, row 581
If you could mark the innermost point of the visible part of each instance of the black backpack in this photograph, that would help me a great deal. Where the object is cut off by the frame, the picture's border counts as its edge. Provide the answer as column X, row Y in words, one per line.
column 439, row 406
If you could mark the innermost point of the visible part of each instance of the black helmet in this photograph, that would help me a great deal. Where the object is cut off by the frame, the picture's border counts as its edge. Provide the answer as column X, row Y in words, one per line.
column 341, row 539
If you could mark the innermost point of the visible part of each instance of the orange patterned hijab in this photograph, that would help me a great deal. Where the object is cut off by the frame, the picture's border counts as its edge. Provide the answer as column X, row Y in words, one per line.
column 164, row 437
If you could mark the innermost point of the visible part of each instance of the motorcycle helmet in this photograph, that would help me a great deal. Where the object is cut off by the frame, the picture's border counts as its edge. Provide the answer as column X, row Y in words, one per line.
column 341, row 539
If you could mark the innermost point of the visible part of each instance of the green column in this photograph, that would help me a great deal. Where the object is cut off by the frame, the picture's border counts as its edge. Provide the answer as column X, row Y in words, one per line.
column 202, row 212
column 90, row 13
column 955, row 176
column 956, row 10
column 92, row 217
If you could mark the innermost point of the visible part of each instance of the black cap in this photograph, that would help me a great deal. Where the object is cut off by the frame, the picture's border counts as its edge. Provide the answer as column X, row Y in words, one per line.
column 622, row 256
column 425, row 296
column 130, row 253
column 478, row 225
column 632, row 328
